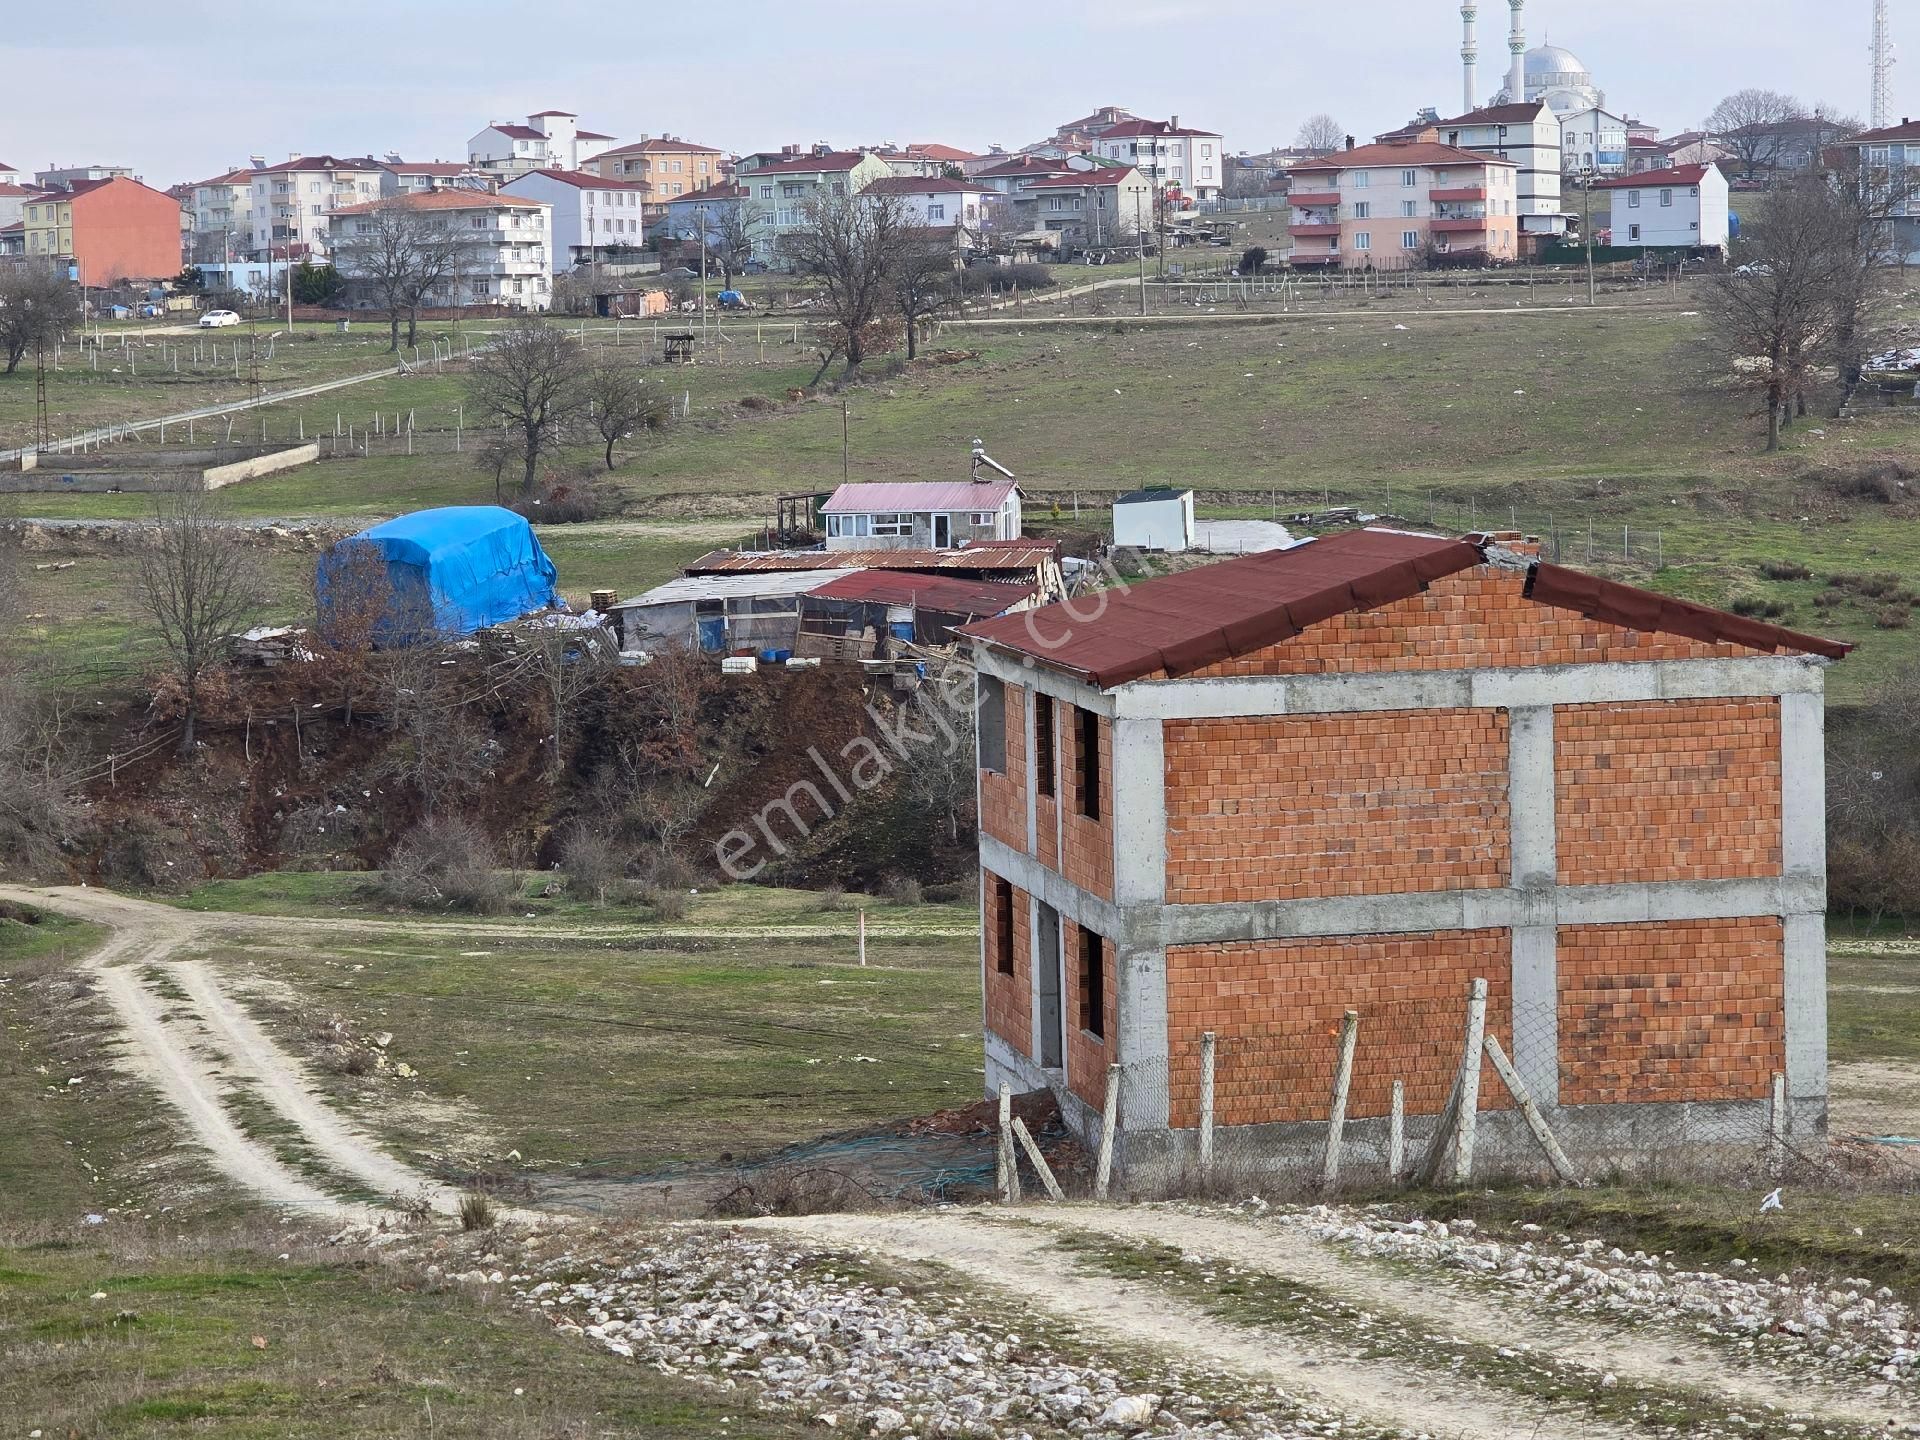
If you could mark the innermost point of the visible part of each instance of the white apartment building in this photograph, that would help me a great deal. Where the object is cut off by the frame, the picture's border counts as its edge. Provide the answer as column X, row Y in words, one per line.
column 934, row 202
column 1888, row 164
column 505, row 241
column 220, row 215
column 416, row 177
column 1684, row 208
column 1593, row 142
column 291, row 201
column 550, row 140
column 779, row 186
column 1169, row 155
column 1108, row 206
column 1528, row 134
column 590, row 214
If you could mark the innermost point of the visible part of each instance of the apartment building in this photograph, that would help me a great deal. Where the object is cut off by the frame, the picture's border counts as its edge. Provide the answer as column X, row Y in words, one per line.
column 1887, row 163
column 591, row 214
column 935, row 202
column 1365, row 772
column 503, row 244
column 1107, row 206
column 1172, row 157
column 291, row 202
column 550, row 140
column 1593, row 141
column 417, row 177
column 1684, row 207
column 1405, row 202
column 779, row 187
column 665, row 167
column 65, row 177
column 1529, row 135
column 220, row 210
column 104, row 230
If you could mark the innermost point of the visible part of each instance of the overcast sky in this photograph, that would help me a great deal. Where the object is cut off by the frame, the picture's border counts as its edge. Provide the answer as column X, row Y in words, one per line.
column 180, row 91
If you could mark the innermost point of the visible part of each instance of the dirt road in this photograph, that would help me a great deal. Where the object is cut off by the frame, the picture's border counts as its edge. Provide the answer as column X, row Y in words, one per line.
column 1412, row 1386
column 205, row 1055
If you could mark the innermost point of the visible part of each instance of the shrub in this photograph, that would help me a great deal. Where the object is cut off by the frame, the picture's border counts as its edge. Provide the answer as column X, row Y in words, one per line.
column 665, row 902
column 448, row 863
column 476, row 1212
column 593, row 867
column 1757, row 607
column 1252, row 259
column 567, row 500
column 755, row 402
column 1891, row 619
column 1784, row 570
column 902, row 890
column 834, row 897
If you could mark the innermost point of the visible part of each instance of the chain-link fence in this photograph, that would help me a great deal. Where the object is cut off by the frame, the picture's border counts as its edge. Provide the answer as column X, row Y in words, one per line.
column 1443, row 1084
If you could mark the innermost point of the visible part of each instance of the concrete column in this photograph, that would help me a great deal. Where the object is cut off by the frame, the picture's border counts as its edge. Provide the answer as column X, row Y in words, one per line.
column 1139, row 813
column 1536, row 1010
column 1803, row 788
column 1806, row 990
column 1033, row 768
column 1530, row 796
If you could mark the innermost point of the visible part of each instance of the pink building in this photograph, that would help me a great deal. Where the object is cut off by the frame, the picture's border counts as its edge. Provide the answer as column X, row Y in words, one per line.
column 1404, row 202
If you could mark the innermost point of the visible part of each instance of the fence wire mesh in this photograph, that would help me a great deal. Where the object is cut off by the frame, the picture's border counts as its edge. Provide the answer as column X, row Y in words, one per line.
column 1660, row 1086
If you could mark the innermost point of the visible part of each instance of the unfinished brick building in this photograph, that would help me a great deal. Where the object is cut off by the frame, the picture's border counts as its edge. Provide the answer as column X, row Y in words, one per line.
column 1357, row 774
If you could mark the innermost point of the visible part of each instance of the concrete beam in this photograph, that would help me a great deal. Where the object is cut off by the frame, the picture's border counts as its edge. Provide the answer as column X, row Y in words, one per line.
column 1080, row 906
column 1018, row 670
column 1511, row 688
column 1803, row 786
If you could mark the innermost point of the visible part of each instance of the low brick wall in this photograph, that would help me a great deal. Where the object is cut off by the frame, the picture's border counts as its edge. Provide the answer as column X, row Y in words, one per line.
column 107, row 473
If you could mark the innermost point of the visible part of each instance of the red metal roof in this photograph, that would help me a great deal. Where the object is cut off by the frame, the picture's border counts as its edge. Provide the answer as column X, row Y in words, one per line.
column 927, row 592
column 924, row 185
column 833, row 163
column 1418, row 152
column 1638, row 609
column 1494, row 115
column 1181, row 623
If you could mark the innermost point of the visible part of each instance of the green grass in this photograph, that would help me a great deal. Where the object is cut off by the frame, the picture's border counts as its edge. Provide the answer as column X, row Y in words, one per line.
column 241, row 1340
column 647, row 1044
column 42, row 935
column 1873, row 1007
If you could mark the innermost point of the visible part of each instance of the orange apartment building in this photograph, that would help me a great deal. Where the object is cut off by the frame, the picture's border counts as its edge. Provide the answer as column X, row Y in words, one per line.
column 665, row 168
column 108, row 230
column 1395, row 204
column 1359, row 774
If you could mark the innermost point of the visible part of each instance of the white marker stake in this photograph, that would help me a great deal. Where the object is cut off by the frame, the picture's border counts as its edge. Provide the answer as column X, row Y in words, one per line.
column 863, row 939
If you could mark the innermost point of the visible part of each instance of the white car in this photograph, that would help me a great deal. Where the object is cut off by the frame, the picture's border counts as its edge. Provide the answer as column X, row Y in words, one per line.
column 213, row 319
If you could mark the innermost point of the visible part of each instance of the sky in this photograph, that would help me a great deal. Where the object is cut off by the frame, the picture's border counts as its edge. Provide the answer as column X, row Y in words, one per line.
column 185, row 90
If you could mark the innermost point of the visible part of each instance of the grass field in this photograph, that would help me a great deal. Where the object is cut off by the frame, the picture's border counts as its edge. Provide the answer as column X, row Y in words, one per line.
column 744, row 1027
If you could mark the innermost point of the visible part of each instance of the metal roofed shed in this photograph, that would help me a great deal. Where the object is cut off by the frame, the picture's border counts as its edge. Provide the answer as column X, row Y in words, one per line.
column 453, row 570
column 921, row 515
column 1181, row 623
column 720, row 614
column 1158, row 519
column 914, row 606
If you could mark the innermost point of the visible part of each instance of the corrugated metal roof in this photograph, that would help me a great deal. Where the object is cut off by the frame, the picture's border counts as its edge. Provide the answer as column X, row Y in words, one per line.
column 893, row 497
column 1005, row 555
column 1638, row 609
column 929, row 592
column 733, row 587
column 1184, row 622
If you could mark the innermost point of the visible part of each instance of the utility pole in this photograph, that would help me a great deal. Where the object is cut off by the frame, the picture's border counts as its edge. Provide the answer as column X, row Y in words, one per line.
column 1140, row 243
column 845, row 417
column 42, row 431
column 1586, row 229
column 702, row 212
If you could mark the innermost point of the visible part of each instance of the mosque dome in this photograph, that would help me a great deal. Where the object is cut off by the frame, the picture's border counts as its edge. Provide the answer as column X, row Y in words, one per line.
column 1550, row 65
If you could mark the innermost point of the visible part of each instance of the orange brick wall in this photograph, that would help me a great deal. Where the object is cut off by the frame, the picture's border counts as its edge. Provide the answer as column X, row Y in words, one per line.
column 1087, row 1056
column 125, row 230
column 1687, row 1010
column 1003, row 798
column 1283, row 807
column 1667, row 790
column 1276, row 1005
column 1087, row 858
column 1009, row 997
column 1476, row 618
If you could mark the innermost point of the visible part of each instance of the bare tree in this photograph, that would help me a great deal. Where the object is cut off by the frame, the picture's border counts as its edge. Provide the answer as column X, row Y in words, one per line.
column 1874, row 197
column 401, row 253
column 198, row 584
column 1775, row 313
column 1319, row 134
column 851, row 244
column 730, row 228
column 922, row 280
column 1752, row 125
column 37, row 306
column 939, row 776
column 570, row 664
column 529, row 382
column 620, row 403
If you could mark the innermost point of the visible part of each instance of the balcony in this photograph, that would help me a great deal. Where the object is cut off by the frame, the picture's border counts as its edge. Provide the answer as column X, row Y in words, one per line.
column 1458, row 224
column 1330, row 201
column 1459, row 195
column 1313, row 231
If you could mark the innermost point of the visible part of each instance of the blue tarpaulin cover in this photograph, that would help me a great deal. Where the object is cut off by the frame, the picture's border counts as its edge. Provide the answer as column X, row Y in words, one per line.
column 475, row 565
